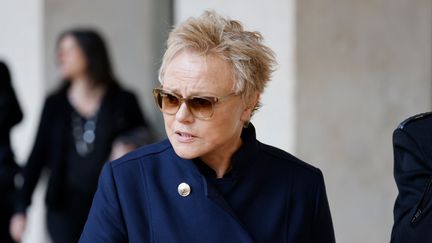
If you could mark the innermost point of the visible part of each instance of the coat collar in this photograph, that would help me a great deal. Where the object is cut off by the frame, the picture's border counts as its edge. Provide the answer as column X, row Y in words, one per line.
column 241, row 159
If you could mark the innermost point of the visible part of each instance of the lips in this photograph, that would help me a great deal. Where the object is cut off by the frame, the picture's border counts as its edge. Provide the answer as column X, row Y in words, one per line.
column 184, row 137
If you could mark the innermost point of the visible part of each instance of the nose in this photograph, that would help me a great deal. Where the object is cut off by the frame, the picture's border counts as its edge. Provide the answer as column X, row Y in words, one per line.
column 183, row 114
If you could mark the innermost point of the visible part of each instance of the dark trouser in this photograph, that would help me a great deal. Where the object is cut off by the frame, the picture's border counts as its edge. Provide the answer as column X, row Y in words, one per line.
column 8, row 169
column 65, row 225
column 61, row 228
column 6, row 211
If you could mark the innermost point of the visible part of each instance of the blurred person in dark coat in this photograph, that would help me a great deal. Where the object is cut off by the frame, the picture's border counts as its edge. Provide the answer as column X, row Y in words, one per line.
column 10, row 115
column 412, row 143
column 78, row 124
column 211, row 181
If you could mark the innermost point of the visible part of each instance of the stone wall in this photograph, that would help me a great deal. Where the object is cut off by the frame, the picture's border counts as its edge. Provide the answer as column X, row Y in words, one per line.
column 363, row 66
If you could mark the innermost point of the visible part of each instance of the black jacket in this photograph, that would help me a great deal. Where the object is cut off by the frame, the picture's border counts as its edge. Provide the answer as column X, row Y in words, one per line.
column 412, row 142
column 10, row 115
column 119, row 112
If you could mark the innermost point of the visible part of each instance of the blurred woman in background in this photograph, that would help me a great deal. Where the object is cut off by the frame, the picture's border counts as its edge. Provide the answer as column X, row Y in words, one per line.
column 10, row 115
column 79, row 122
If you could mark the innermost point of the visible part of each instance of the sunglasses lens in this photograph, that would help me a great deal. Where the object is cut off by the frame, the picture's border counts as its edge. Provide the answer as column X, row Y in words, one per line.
column 201, row 107
column 166, row 102
column 169, row 103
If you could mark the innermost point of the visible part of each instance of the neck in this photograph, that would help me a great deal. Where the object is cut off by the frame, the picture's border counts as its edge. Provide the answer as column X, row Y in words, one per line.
column 85, row 97
column 220, row 161
column 82, row 87
column 82, row 84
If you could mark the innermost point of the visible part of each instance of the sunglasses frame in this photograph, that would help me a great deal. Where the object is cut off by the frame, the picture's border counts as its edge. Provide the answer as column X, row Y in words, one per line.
column 212, row 99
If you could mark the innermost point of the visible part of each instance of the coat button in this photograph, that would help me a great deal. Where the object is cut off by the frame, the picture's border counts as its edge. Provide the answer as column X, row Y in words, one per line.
column 184, row 189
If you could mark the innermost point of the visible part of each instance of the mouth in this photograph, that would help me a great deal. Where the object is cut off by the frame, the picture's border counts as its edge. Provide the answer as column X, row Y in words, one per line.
column 184, row 136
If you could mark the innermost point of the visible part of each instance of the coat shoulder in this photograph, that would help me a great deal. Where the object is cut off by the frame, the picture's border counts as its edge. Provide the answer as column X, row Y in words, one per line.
column 286, row 161
column 413, row 120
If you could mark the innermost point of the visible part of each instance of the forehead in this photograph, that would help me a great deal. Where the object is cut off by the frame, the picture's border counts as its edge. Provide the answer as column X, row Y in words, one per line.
column 190, row 73
column 68, row 42
column 67, row 39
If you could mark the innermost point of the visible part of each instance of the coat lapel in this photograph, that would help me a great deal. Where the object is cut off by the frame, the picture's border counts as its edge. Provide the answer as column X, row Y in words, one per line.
column 213, row 195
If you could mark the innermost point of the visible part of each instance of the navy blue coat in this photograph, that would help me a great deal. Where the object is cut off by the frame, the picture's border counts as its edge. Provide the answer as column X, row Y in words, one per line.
column 412, row 142
column 274, row 197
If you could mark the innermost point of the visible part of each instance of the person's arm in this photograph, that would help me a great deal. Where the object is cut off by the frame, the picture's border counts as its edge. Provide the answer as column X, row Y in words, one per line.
column 322, row 226
column 105, row 222
column 10, row 110
column 37, row 160
column 31, row 173
column 412, row 210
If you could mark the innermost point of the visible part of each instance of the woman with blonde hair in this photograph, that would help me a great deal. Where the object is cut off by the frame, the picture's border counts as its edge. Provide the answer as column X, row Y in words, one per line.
column 211, row 180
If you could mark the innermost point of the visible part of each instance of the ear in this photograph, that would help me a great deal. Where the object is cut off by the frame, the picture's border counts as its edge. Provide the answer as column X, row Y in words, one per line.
column 250, row 106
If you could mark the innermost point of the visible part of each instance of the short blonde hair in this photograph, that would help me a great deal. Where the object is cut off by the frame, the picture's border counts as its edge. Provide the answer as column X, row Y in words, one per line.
column 212, row 34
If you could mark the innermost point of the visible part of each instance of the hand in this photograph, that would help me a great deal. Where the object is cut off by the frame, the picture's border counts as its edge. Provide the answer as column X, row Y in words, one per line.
column 17, row 226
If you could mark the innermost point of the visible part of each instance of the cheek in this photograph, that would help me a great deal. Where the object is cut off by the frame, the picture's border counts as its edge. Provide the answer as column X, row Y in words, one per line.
column 231, row 116
column 221, row 128
column 65, row 68
column 71, row 64
column 80, row 63
column 168, row 120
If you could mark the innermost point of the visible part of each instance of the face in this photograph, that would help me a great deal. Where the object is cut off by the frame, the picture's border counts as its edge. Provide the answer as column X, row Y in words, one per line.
column 71, row 59
column 188, row 75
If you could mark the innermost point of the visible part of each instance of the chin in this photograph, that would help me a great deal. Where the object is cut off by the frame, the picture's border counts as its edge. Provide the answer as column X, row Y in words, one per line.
column 185, row 151
column 65, row 76
column 185, row 154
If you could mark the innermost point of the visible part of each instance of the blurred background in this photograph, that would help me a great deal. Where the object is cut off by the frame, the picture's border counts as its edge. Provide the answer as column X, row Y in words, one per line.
column 349, row 71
